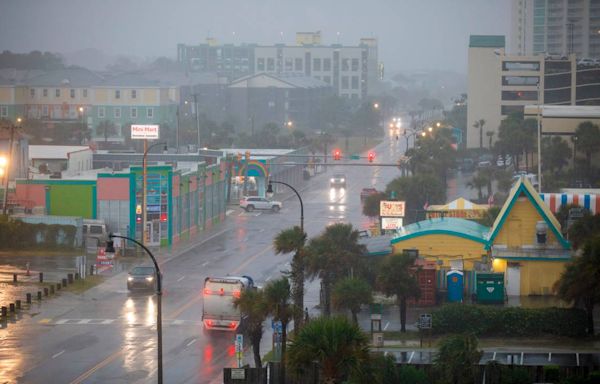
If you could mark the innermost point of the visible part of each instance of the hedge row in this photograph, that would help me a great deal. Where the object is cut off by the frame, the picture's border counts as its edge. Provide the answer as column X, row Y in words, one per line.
column 509, row 321
column 15, row 234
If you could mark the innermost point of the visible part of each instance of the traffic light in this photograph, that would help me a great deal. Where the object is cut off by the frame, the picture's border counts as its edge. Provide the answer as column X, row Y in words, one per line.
column 371, row 157
column 337, row 154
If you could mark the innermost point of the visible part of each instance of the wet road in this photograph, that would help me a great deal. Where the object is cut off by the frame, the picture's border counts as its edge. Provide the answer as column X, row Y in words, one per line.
column 108, row 335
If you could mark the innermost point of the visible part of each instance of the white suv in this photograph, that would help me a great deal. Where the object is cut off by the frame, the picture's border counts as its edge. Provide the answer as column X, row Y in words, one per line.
column 255, row 202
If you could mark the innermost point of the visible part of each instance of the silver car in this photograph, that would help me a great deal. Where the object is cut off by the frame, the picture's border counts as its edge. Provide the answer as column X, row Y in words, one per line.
column 255, row 202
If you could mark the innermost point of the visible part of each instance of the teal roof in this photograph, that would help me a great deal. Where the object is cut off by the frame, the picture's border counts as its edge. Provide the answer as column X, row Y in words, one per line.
column 466, row 229
column 487, row 41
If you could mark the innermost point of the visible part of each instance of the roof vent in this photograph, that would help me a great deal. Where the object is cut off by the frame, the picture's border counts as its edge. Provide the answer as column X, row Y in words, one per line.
column 541, row 228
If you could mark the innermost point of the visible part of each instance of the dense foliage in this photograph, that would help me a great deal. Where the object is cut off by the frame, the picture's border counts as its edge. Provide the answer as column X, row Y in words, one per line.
column 15, row 234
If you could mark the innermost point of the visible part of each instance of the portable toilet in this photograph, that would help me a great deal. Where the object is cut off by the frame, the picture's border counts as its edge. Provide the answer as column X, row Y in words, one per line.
column 490, row 288
column 455, row 284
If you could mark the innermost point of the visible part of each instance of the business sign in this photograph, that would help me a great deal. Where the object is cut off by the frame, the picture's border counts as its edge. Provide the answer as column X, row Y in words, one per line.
column 391, row 223
column 391, row 208
column 425, row 321
column 144, row 131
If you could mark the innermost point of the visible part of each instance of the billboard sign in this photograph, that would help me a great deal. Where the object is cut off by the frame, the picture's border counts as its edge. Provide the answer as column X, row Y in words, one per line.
column 144, row 131
column 391, row 223
column 391, row 208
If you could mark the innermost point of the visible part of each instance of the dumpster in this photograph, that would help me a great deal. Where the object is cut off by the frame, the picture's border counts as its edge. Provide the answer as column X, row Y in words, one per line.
column 490, row 288
column 455, row 283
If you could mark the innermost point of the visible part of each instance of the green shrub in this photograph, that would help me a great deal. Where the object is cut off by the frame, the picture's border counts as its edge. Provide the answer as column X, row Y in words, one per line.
column 508, row 321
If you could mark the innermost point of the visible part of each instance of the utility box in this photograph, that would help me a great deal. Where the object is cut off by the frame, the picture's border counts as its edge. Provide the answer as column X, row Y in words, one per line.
column 377, row 339
column 490, row 288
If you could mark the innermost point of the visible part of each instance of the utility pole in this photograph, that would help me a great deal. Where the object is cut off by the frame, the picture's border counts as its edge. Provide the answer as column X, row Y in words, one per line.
column 10, row 164
column 197, row 118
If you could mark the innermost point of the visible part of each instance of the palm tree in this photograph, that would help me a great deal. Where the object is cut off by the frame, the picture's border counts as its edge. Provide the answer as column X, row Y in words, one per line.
column 479, row 125
column 350, row 293
column 580, row 282
column 107, row 128
column 588, row 141
column 490, row 135
column 338, row 346
column 478, row 182
column 287, row 241
column 333, row 255
column 397, row 277
column 253, row 306
column 277, row 295
column 457, row 360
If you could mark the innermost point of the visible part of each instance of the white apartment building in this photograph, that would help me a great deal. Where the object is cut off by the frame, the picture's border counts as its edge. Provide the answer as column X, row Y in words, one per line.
column 556, row 27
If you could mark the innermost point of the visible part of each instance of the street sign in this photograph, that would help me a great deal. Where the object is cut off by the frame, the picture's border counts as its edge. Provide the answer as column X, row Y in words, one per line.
column 238, row 374
column 239, row 348
column 276, row 326
column 144, row 131
column 354, row 156
column 425, row 321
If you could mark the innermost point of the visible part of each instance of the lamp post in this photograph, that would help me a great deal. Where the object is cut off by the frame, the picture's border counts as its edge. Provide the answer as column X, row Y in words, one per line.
column 9, row 163
column 270, row 191
column 110, row 248
column 539, row 139
column 144, row 183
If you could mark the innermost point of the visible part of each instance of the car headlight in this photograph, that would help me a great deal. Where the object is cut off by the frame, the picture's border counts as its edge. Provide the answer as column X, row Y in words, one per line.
column 149, row 278
column 130, row 278
column 342, row 180
column 332, row 180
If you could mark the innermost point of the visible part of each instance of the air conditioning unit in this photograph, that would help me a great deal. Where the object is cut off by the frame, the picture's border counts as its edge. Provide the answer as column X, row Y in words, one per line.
column 541, row 230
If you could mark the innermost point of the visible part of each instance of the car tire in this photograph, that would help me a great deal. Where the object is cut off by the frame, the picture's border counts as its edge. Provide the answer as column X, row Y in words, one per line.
column 275, row 208
column 250, row 208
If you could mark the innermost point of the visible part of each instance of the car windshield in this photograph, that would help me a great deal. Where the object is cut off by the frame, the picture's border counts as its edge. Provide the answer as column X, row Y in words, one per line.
column 339, row 176
column 142, row 271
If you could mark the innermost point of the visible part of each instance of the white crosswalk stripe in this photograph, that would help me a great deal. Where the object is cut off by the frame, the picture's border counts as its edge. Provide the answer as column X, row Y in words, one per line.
column 179, row 322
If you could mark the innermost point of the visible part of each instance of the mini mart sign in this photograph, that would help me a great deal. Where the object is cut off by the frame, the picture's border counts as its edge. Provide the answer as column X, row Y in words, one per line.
column 144, row 131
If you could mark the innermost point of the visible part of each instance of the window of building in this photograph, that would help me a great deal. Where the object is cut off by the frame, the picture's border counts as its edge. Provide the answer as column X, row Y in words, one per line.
column 133, row 94
column 521, row 66
column 133, row 113
column 270, row 64
column 511, row 110
column 101, row 112
column 355, row 65
column 3, row 111
column 345, row 64
column 520, row 80
column 72, row 93
column 117, row 113
column 44, row 110
column 117, row 94
column 289, row 64
column 327, row 64
column 316, row 64
column 150, row 113
column 57, row 92
column 519, row 95
column 260, row 64
column 45, row 92
column 298, row 64
column 85, row 93
column 32, row 92
column 345, row 82
column 327, row 79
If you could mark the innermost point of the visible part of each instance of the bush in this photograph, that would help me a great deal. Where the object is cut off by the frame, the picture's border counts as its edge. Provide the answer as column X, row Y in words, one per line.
column 509, row 321
column 15, row 234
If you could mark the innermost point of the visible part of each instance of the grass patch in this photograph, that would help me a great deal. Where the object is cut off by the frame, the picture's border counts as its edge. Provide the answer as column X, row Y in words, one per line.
column 268, row 357
column 82, row 285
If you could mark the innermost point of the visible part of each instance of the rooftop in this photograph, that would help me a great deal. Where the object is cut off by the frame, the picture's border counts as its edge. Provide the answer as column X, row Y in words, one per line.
column 487, row 41
column 447, row 225
column 54, row 151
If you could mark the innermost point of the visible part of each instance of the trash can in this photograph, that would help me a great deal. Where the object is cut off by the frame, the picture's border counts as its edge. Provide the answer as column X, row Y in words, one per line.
column 490, row 288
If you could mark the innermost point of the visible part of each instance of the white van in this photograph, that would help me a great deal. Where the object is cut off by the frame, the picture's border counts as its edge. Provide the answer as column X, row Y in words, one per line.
column 95, row 229
column 218, row 311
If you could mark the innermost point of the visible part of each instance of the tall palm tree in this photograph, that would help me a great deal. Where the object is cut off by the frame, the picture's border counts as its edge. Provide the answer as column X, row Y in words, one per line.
column 253, row 306
column 287, row 241
column 479, row 125
column 350, row 293
column 333, row 255
column 277, row 295
column 107, row 128
column 588, row 141
column 478, row 182
column 490, row 135
column 338, row 346
column 397, row 277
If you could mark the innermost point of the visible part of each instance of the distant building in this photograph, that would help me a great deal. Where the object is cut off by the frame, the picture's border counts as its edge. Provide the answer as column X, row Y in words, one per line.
column 53, row 160
column 352, row 71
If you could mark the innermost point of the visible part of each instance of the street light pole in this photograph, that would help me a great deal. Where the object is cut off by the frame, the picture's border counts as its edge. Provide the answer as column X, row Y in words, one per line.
column 110, row 248
column 144, row 184
column 539, row 140
column 9, row 163
column 197, row 118
column 270, row 190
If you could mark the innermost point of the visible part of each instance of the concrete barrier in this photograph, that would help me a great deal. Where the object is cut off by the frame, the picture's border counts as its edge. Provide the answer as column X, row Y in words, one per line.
column 18, row 304
column 11, row 307
column 41, row 277
column 39, row 295
column 28, row 298
column 4, row 311
column 70, row 278
column 52, row 289
column 64, row 282
column 45, row 291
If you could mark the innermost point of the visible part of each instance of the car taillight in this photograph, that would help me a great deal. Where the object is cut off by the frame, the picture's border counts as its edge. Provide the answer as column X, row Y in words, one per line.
column 207, row 291
column 232, row 324
column 208, row 322
column 222, row 291
column 237, row 294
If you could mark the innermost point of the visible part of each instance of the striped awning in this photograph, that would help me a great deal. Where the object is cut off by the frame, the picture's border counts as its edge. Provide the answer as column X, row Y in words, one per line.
column 555, row 200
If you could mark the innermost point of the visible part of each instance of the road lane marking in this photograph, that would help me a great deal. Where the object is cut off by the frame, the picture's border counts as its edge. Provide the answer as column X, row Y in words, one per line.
column 386, row 325
column 96, row 367
column 44, row 321
column 58, row 354
column 229, row 212
column 410, row 358
column 61, row 321
column 178, row 322
column 191, row 342
column 181, row 278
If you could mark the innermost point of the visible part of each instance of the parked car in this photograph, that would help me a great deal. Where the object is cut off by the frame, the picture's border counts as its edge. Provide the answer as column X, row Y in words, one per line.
column 484, row 164
column 467, row 165
column 504, row 161
column 141, row 278
column 366, row 192
column 250, row 203
column 338, row 180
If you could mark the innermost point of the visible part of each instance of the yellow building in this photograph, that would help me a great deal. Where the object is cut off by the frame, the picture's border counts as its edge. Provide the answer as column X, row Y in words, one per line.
column 526, row 243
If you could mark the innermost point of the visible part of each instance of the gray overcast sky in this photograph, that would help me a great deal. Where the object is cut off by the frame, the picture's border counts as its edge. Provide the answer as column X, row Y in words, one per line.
column 413, row 34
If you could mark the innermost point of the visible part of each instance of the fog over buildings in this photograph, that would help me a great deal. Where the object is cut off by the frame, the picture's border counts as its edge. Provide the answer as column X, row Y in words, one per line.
column 412, row 34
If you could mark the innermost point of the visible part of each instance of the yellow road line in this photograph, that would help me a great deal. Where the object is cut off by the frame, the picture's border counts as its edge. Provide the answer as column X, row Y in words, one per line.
column 96, row 367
